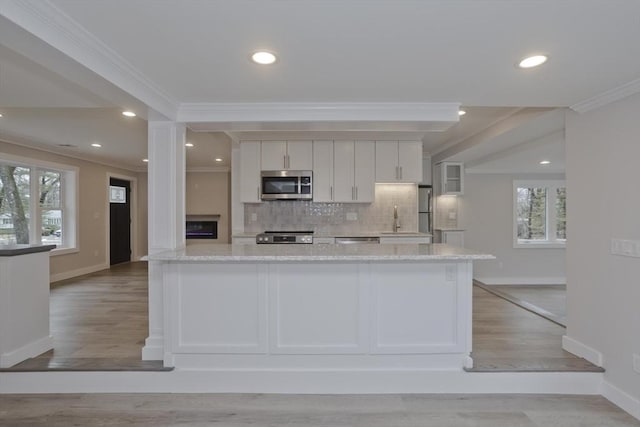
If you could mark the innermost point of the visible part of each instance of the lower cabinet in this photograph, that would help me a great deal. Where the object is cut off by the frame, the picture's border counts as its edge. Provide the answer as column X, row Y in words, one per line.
column 243, row 240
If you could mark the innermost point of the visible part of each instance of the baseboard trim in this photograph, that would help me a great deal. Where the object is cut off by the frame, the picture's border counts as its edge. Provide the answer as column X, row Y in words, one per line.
column 522, row 280
column 621, row 398
column 79, row 272
column 25, row 352
column 302, row 382
column 581, row 350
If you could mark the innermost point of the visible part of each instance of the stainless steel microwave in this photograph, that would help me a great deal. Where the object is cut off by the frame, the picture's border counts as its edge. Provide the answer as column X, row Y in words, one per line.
column 286, row 185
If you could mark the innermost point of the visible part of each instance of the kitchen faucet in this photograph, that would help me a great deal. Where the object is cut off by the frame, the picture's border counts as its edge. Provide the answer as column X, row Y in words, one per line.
column 396, row 222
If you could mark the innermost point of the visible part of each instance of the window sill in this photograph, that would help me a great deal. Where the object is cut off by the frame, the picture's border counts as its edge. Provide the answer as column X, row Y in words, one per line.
column 539, row 245
column 64, row 251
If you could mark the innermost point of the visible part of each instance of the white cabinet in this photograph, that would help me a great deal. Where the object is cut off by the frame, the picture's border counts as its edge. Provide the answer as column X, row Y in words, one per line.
column 323, row 171
column 398, row 161
column 353, row 171
column 452, row 237
column 450, row 177
column 250, row 172
column 284, row 155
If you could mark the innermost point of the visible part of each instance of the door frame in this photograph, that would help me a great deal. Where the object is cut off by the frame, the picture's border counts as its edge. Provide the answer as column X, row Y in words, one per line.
column 133, row 228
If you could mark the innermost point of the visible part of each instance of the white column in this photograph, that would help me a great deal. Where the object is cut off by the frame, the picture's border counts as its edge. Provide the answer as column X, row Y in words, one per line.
column 166, row 217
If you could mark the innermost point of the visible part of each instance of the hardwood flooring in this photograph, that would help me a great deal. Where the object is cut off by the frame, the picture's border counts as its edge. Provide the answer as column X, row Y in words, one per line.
column 548, row 301
column 310, row 410
column 508, row 338
column 99, row 322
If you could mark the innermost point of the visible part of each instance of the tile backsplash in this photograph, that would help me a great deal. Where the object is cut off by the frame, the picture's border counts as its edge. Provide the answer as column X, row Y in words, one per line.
column 331, row 218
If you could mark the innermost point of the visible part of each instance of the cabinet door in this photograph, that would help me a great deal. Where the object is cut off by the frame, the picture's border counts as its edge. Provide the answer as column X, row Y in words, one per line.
column 452, row 176
column 364, row 171
column 453, row 238
column 322, row 171
column 410, row 161
column 250, row 171
column 274, row 155
column 299, row 155
column 343, row 165
column 387, row 161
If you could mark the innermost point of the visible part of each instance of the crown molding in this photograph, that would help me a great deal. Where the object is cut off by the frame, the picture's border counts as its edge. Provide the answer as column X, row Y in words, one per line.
column 607, row 97
column 202, row 169
column 422, row 116
column 51, row 25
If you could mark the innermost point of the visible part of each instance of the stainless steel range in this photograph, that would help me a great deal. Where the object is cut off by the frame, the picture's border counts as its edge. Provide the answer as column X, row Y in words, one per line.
column 285, row 237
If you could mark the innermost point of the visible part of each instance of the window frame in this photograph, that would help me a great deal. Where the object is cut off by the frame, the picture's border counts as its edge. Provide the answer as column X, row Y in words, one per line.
column 69, row 187
column 551, row 187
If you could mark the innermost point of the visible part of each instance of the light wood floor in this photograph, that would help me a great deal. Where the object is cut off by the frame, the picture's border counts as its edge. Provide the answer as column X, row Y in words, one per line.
column 311, row 410
column 99, row 322
column 548, row 301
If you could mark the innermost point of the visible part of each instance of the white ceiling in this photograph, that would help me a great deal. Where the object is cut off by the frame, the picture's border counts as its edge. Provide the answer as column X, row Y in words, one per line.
column 170, row 53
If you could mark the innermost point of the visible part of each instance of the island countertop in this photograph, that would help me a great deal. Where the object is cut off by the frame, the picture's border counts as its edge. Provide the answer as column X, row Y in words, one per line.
column 312, row 253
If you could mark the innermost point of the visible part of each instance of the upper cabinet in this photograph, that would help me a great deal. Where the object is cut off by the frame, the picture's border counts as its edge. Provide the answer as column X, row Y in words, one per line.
column 250, row 172
column 450, row 178
column 353, row 171
column 398, row 161
column 323, row 171
column 287, row 155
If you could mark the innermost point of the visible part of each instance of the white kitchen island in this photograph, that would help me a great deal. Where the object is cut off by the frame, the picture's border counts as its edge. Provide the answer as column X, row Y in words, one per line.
column 317, row 308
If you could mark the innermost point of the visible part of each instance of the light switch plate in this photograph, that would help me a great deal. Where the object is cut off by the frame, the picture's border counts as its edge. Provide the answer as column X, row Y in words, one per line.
column 636, row 363
column 254, row 217
column 352, row 216
column 630, row 248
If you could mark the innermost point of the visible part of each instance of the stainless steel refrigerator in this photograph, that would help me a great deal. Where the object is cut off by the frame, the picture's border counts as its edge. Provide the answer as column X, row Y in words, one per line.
column 425, row 209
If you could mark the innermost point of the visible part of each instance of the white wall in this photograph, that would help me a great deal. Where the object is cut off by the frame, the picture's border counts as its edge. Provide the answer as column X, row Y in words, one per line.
column 603, row 202
column 486, row 214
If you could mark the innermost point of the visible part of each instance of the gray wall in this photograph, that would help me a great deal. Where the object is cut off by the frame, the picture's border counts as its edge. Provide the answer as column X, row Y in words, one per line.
column 486, row 214
column 603, row 290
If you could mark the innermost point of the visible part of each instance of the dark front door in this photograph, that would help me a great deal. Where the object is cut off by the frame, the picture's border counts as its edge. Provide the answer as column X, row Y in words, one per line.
column 120, row 220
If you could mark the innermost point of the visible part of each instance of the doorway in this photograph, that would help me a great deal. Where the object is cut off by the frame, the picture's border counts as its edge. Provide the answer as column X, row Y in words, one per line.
column 119, row 221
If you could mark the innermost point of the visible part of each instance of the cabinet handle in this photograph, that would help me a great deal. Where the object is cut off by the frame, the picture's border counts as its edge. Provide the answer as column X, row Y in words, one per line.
column 400, row 172
column 353, row 192
column 397, row 172
column 258, row 193
column 356, row 193
column 288, row 162
column 331, row 192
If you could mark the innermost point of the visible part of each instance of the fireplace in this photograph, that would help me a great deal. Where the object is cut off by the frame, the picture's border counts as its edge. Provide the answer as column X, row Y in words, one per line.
column 202, row 226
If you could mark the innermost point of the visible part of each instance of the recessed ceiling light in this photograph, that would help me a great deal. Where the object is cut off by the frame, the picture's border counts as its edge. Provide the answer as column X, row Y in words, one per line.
column 545, row 162
column 95, row 144
column 145, row 160
column 218, row 159
column 129, row 113
column 532, row 61
column 188, row 144
column 461, row 112
column 0, row 115
column 263, row 57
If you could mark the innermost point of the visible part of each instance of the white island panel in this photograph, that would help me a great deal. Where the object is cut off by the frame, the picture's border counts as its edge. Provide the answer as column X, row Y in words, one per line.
column 217, row 308
column 418, row 308
column 318, row 309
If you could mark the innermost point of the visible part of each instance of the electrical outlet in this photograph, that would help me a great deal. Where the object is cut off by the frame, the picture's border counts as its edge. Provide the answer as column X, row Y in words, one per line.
column 254, row 217
column 95, row 253
column 636, row 363
column 352, row 216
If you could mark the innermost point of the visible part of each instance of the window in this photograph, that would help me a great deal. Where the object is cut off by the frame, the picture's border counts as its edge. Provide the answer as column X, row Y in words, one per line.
column 539, row 214
column 37, row 203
